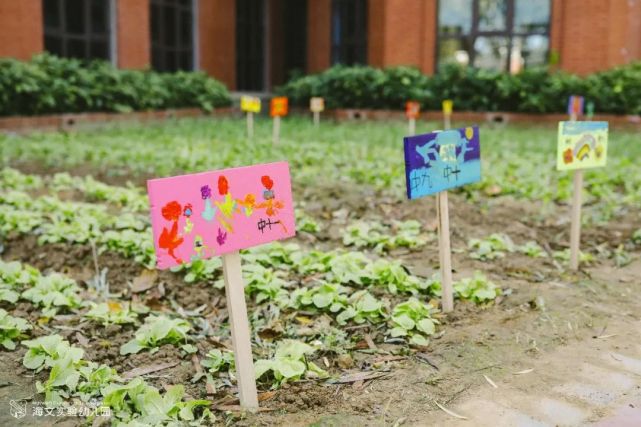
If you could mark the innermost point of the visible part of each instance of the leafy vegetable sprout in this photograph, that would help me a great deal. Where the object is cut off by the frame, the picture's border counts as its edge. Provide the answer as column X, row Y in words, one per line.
column 478, row 289
column 383, row 238
column 493, row 247
column 11, row 329
column 413, row 319
column 112, row 312
column 363, row 307
column 156, row 331
column 289, row 363
column 53, row 293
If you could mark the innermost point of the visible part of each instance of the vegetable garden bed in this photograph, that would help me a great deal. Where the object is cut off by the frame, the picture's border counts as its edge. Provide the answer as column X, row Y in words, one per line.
column 345, row 320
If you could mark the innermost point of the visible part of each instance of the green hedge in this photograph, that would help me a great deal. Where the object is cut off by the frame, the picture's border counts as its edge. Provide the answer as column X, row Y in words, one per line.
column 48, row 84
column 615, row 91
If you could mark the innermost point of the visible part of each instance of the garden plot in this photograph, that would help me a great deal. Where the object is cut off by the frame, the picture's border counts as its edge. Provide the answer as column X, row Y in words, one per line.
column 344, row 317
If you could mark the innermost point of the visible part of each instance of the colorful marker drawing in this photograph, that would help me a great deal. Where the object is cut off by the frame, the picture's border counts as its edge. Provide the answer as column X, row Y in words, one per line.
column 212, row 213
column 438, row 161
column 582, row 145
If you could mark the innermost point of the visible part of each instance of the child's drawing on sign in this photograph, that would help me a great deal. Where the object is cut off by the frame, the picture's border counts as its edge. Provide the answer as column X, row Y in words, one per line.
column 209, row 212
column 170, row 240
column 215, row 222
column 441, row 160
column 226, row 207
column 582, row 145
column 270, row 204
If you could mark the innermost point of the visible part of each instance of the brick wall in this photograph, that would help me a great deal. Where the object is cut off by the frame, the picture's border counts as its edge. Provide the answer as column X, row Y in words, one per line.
column 21, row 28
column 217, row 34
column 402, row 32
column 217, row 38
column 593, row 35
column 318, row 35
column 134, row 34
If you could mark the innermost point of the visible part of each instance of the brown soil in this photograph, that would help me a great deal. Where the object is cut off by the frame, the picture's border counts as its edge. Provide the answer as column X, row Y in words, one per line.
column 545, row 309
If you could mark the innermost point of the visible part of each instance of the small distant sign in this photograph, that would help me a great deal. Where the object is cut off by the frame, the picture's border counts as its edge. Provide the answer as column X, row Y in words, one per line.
column 448, row 106
column 279, row 106
column 250, row 104
column 412, row 109
column 317, row 104
column 575, row 105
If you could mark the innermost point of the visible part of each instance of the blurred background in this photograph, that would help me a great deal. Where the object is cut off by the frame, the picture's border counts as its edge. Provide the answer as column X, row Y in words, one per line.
column 256, row 45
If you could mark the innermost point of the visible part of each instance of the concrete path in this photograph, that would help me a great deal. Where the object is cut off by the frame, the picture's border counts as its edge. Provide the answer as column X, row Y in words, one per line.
column 594, row 382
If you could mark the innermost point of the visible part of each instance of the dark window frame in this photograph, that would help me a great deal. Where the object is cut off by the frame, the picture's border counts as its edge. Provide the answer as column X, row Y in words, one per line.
column 252, row 18
column 349, row 49
column 177, row 54
column 89, row 37
column 509, row 33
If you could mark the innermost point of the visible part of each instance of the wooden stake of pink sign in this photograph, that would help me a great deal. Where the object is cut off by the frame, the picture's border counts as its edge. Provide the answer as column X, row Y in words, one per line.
column 216, row 213
column 240, row 334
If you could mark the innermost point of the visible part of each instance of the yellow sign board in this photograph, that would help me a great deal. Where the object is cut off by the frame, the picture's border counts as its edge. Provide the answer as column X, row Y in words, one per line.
column 448, row 106
column 582, row 145
column 250, row 104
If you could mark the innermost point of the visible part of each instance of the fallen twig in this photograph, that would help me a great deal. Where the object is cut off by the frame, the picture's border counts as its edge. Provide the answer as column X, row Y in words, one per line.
column 137, row 372
column 490, row 381
column 447, row 411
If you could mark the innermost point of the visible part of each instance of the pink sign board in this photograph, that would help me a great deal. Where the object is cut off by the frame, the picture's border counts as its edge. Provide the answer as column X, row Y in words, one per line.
column 212, row 213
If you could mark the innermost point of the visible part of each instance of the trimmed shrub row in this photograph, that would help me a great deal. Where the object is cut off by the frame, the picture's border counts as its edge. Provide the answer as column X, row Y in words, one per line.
column 616, row 91
column 48, row 84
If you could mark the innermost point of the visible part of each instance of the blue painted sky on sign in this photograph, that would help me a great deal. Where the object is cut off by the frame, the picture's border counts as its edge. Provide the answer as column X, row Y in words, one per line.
column 439, row 161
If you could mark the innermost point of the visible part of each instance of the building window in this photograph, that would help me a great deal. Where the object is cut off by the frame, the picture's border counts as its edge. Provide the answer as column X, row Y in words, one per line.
column 250, row 45
column 349, row 32
column 77, row 28
column 172, row 35
column 502, row 35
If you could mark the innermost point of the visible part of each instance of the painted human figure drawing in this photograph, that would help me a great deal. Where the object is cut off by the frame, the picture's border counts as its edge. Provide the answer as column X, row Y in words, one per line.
column 439, row 161
column 207, row 214
column 582, row 145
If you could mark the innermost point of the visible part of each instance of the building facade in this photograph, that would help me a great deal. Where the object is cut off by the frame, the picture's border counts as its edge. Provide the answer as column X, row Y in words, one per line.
column 253, row 45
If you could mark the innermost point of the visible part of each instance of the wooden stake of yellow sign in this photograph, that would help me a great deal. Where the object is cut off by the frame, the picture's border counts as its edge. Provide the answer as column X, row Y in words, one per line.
column 575, row 228
column 240, row 335
column 444, row 247
column 250, row 125
column 251, row 105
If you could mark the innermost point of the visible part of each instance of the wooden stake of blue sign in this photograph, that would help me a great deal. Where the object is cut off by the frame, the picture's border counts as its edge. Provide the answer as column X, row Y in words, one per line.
column 434, row 163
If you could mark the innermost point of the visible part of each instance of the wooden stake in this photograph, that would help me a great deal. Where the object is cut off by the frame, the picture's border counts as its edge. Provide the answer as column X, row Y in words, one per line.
column 575, row 230
column 276, row 130
column 412, row 127
column 444, row 248
column 250, row 125
column 575, row 227
column 445, row 252
column 316, row 118
column 240, row 336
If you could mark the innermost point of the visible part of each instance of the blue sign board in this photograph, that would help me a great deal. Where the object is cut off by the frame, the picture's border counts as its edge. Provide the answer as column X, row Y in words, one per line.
column 438, row 161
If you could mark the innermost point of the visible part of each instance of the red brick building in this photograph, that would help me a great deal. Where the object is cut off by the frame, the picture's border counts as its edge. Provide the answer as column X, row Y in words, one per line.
column 255, row 44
